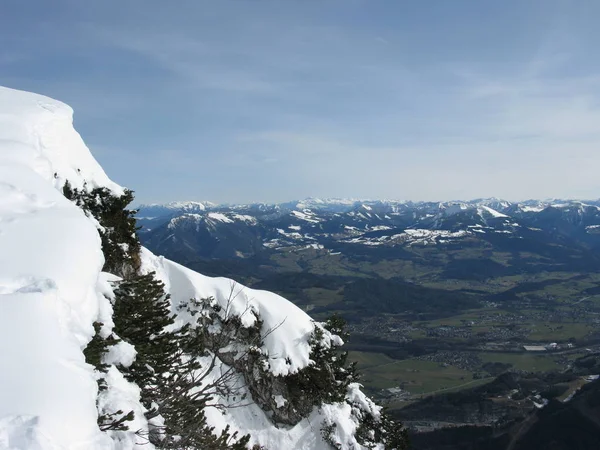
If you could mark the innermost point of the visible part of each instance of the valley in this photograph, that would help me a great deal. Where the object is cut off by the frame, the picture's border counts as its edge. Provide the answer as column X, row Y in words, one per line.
column 460, row 314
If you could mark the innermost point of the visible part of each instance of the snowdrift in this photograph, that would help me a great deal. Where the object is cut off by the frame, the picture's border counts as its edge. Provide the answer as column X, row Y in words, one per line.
column 50, row 262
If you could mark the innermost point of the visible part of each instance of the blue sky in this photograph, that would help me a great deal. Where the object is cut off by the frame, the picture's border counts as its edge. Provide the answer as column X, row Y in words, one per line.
column 256, row 100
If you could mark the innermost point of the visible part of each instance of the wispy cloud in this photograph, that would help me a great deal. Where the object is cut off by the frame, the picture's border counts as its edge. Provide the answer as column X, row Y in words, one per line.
column 344, row 98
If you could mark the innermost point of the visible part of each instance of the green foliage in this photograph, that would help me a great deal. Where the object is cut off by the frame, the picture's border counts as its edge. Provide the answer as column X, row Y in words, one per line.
column 334, row 386
column 371, row 431
column 97, row 347
column 113, row 422
column 141, row 315
column 382, row 430
column 327, row 379
column 94, row 353
column 166, row 364
column 167, row 368
column 120, row 243
column 327, row 430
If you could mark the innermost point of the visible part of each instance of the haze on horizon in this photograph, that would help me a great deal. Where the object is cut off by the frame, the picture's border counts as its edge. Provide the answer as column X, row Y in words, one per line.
column 236, row 101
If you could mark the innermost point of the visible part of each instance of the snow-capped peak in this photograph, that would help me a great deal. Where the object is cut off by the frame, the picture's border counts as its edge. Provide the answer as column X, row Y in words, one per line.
column 486, row 209
column 183, row 206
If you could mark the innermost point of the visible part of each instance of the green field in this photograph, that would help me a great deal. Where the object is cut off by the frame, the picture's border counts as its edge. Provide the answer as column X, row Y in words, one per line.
column 559, row 331
column 367, row 359
column 417, row 377
column 530, row 361
column 536, row 306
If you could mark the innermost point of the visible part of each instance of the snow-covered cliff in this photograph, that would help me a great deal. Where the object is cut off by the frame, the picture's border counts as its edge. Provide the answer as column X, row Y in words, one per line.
column 50, row 279
column 53, row 290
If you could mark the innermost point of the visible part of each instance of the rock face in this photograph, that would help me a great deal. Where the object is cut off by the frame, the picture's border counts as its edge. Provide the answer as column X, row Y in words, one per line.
column 282, row 396
column 272, row 394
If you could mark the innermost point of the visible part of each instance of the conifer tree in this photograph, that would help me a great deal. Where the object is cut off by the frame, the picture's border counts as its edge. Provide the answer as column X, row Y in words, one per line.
column 166, row 368
column 141, row 316
column 94, row 354
column 326, row 380
column 97, row 347
column 166, row 364
column 120, row 244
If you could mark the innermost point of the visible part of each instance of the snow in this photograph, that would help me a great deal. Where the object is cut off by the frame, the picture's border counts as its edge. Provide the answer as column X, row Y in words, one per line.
column 185, row 219
column 380, row 228
column 190, row 205
column 413, row 237
column 592, row 228
column 293, row 235
column 181, row 205
column 290, row 327
column 51, row 290
column 245, row 218
column 124, row 396
column 37, row 132
column 327, row 203
column 305, row 435
column 535, row 209
column 280, row 400
column 454, row 208
column 121, row 353
column 493, row 212
column 305, row 215
column 219, row 217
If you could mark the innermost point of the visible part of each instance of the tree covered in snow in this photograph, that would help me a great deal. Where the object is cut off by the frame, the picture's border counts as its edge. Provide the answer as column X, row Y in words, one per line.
column 94, row 354
column 141, row 316
column 328, row 378
column 166, row 363
column 167, row 368
column 332, row 379
column 120, row 244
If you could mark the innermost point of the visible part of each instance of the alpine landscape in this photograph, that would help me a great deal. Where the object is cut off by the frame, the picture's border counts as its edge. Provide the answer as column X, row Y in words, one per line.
column 299, row 225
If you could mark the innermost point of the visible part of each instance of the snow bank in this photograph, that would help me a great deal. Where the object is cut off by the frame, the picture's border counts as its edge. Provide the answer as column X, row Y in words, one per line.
column 288, row 350
column 306, row 435
column 287, row 327
column 37, row 132
column 50, row 261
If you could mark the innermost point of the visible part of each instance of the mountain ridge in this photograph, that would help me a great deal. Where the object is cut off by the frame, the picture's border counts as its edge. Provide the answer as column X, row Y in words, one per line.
column 246, row 230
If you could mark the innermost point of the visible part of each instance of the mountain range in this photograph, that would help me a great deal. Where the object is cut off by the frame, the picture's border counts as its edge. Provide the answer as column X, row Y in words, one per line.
column 191, row 230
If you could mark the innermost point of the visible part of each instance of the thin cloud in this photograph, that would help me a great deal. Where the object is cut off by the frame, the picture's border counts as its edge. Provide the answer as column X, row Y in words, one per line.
column 343, row 98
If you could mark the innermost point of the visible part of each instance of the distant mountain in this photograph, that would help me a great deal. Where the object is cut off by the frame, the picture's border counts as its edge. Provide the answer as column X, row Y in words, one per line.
column 191, row 230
